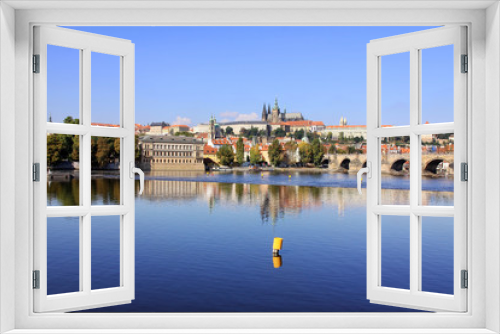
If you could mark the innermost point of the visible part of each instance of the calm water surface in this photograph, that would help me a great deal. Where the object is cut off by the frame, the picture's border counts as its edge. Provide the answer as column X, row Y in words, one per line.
column 204, row 242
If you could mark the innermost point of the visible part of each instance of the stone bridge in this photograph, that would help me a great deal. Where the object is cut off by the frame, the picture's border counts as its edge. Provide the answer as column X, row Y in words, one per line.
column 392, row 163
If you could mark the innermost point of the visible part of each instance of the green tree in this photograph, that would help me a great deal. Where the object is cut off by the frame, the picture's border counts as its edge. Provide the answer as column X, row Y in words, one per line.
column 229, row 130
column 332, row 149
column 329, row 136
column 103, row 152
column 274, row 153
column 306, row 153
column 184, row 133
column 71, row 120
column 240, row 151
column 318, row 152
column 75, row 154
column 226, row 155
column 298, row 134
column 351, row 149
column 279, row 132
column 255, row 156
column 116, row 146
column 341, row 137
column 54, row 149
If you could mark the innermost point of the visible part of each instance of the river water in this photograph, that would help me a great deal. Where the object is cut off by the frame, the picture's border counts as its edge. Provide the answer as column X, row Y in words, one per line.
column 204, row 242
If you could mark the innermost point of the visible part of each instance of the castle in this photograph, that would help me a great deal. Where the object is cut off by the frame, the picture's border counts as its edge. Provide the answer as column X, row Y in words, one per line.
column 276, row 116
column 271, row 120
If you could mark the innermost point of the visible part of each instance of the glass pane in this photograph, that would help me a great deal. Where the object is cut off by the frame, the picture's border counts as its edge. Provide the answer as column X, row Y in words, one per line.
column 395, row 89
column 395, row 170
column 437, row 84
column 438, row 169
column 105, row 252
column 63, row 166
column 105, row 90
column 105, row 184
column 63, row 255
column 395, row 240
column 63, row 84
column 437, row 254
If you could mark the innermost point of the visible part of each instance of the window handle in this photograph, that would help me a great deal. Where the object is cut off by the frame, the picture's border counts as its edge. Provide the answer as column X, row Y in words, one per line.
column 133, row 171
column 366, row 170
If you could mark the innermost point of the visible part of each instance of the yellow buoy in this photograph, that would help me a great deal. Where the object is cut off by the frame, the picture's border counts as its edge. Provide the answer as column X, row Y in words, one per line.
column 277, row 262
column 277, row 244
column 289, row 176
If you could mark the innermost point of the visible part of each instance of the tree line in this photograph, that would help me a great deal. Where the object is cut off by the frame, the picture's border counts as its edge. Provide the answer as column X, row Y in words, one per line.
column 308, row 153
column 66, row 148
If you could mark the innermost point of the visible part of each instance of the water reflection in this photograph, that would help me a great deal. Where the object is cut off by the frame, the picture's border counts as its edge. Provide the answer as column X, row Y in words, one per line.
column 103, row 191
column 185, row 231
column 274, row 201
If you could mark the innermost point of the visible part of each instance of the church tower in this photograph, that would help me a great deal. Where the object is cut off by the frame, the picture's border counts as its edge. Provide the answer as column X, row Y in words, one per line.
column 264, row 113
column 276, row 112
column 211, row 128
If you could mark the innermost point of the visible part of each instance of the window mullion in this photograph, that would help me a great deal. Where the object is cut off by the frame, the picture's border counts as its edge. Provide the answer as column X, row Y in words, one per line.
column 85, row 172
column 414, row 170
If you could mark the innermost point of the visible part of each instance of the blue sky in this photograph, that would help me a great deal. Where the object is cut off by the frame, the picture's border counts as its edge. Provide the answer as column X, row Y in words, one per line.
column 185, row 74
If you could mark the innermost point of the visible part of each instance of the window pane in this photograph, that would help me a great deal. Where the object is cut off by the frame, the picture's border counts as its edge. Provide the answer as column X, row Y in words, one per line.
column 105, row 184
column 63, row 166
column 437, row 254
column 63, row 84
column 438, row 169
column 63, row 255
column 395, row 242
column 105, row 252
column 395, row 170
column 395, row 90
column 437, row 84
column 105, row 90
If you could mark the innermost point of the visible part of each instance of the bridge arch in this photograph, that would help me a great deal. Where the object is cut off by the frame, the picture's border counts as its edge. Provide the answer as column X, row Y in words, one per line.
column 325, row 162
column 433, row 165
column 345, row 163
column 398, row 165
column 364, row 165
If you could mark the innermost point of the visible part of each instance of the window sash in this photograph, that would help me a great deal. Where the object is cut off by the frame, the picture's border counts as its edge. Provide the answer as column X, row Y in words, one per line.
column 86, row 297
column 414, row 298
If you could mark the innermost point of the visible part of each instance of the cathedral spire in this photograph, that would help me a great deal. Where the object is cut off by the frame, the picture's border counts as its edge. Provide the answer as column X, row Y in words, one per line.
column 264, row 113
column 276, row 103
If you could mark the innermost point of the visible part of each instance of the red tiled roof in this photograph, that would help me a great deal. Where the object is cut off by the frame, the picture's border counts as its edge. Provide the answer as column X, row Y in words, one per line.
column 180, row 125
column 222, row 141
column 209, row 149
column 105, row 124
column 345, row 126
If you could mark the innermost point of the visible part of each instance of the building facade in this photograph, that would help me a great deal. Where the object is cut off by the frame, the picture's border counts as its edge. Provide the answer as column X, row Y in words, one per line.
column 171, row 153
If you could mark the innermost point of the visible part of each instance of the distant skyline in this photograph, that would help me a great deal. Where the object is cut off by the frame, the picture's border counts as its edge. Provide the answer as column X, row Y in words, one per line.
column 186, row 74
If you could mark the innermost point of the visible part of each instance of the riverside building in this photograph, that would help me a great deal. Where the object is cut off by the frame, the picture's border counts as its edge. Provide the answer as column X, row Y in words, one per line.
column 171, row 153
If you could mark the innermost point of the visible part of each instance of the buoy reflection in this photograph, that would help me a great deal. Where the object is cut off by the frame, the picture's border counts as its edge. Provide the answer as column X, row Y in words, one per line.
column 277, row 261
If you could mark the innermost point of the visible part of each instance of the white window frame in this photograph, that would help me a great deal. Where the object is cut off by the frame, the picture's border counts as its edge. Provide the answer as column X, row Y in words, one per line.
column 414, row 43
column 484, row 82
column 86, row 44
